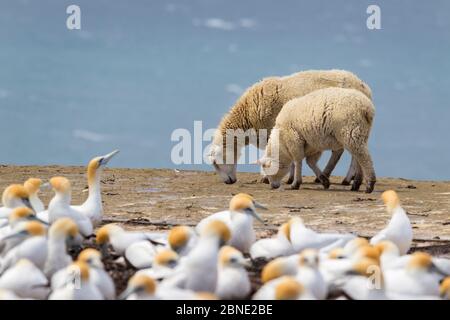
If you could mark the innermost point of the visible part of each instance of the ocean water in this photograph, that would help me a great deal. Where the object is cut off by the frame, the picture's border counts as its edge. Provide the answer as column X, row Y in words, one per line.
column 137, row 70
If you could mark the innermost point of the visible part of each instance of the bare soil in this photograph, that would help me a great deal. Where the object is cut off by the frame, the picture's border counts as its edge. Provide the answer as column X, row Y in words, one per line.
column 157, row 199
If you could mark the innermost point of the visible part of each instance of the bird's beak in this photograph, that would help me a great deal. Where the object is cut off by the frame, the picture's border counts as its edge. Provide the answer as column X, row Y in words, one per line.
column 46, row 186
column 245, row 263
column 254, row 214
column 128, row 291
column 105, row 159
column 259, row 206
column 15, row 235
column 35, row 218
column 27, row 203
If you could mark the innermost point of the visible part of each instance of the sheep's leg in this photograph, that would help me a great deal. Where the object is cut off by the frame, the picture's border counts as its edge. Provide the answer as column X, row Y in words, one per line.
column 357, row 178
column 364, row 159
column 351, row 173
column 297, row 175
column 334, row 159
column 312, row 163
column 291, row 174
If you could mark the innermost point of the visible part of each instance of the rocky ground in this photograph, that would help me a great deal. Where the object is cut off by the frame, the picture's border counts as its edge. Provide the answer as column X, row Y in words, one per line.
column 156, row 199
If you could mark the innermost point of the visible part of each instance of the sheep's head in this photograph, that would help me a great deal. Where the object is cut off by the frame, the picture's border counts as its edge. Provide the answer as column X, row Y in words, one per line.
column 226, row 168
column 274, row 170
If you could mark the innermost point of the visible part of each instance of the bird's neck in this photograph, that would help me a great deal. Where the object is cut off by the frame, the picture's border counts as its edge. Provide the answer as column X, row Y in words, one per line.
column 94, row 186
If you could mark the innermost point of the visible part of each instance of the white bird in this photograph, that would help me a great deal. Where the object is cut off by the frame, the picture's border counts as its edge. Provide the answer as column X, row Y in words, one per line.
column 199, row 269
column 17, row 218
column 33, row 186
column 14, row 196
column 416, row 279
column 25, row 280
column 80, row 287
column 93, row 207
column 8, row 295
column 399, row 229
column 283, row 288
column 239, row 219
column 182, row 239
column 444, row 289
column 278, row 246
column 33, row 248
column 60, row 207
column 121, row 239
column 140, row 287
column 233, row 281
column 305, row 238
column 62, row 232
column 164, row 265
column 304, row 267
column 98, row 276
column 140, row 254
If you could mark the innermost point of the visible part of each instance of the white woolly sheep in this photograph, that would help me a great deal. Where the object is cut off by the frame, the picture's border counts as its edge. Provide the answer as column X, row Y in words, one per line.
column 258, row 108
column 326, row 119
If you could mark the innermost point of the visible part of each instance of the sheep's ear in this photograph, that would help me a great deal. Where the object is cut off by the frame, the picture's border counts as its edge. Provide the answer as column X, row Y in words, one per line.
column 262, row 161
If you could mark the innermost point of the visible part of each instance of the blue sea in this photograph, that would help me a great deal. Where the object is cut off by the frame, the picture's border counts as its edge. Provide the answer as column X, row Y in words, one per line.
column 137, row 70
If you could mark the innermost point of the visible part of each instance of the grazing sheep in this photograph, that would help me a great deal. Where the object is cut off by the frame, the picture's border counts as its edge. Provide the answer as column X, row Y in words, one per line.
column 258, row 108
column 331, row 118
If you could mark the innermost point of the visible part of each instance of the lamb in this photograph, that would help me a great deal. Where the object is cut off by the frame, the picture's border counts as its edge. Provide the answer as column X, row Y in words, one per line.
column 257, row 109
column 330, row 118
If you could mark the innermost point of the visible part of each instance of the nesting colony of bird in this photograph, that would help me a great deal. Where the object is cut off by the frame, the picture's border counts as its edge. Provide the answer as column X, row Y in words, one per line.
column 60, row 252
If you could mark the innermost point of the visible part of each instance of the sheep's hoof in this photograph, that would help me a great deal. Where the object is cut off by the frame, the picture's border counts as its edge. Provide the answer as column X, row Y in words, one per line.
column 265, row 180
column 325, row 182
column 356, row 184
column 370, row 187
column 345, row 182
column 290, row 180
column 295, row 185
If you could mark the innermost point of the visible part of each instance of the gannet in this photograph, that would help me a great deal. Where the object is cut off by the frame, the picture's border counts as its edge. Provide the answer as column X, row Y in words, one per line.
column 14, row 196
column 164, row 265
column 33, row 248
column 62, row 231
column 140, row 287
column 33, row 185
column 305, row 238
column 304, row 267
column 399, row 229
column 239, row 219
column 25, row 280
column 199, row 269
column 93, row 207
column 8, row 295
column 283, row 288
column 59, row 206
column 121, row 239
column 182, row 239
column 233, row 281
column 17, row 218
column 444, row 289
column 80, row 287
column 98, row 276
column 416, row 279
column 278, row 246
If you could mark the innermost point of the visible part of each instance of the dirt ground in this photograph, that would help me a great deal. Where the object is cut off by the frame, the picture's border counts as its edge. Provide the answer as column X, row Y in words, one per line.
column 159, row 198
column 156, row 199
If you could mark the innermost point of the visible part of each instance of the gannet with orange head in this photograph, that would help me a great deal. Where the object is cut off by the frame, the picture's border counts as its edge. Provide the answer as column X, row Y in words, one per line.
column 79, row 285
column 14, row 196
column 278, row 246
column 33, row 186
column 283, row 288
column 93, row 207
column 399, row 229
column 98, row 276
column 165, row 264
column 239, row 219
column 32, row 246
column 60, row 207
column 233, row 280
